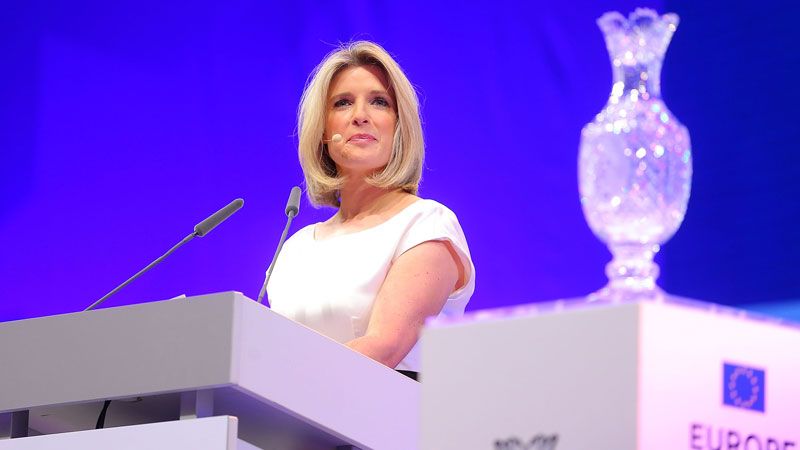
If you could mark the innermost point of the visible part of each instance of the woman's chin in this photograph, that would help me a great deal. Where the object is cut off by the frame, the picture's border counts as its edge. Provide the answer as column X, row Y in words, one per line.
column 354, row 170
column 358, row 162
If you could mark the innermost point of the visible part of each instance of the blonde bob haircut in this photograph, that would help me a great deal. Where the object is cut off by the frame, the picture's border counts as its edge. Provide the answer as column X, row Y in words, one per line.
column 404, row 169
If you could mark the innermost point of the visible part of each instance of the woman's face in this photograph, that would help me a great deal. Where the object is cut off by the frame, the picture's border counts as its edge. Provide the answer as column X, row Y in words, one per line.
column 362, row 110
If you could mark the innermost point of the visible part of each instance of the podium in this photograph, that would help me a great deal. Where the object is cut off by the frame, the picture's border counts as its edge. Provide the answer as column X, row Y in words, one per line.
column 209, row 372
column 572, row 375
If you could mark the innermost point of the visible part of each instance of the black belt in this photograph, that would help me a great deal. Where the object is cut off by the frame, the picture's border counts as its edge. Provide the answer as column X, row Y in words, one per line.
column 410, row 374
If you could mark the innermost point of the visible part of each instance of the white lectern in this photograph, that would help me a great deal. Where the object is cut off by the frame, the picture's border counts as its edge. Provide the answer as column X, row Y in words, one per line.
column 635, row 376
column 209, row 372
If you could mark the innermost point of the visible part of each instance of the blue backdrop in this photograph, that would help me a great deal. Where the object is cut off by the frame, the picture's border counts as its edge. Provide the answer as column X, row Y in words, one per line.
column 122, row 124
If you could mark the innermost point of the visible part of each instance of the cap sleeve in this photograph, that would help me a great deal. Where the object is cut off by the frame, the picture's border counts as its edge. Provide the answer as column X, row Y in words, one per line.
column 435, row 222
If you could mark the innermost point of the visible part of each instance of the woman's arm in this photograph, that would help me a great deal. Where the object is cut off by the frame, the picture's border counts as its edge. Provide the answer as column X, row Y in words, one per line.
column 416, row 287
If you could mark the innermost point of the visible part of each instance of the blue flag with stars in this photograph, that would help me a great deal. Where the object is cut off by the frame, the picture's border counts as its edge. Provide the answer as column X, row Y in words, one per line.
column 743, row 387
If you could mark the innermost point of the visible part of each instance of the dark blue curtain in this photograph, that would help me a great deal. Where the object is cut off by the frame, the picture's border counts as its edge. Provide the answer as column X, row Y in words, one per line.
column 122, row 124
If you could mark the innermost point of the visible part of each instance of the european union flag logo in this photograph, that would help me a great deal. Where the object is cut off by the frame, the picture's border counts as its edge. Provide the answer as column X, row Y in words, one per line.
column 743, row 387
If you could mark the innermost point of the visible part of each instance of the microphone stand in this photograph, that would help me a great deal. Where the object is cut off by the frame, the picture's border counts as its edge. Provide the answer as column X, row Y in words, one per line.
column 139, row 273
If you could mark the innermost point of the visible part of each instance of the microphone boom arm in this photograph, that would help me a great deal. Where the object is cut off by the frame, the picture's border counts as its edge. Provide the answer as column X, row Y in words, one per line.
column 139, row 273
column 201, row 229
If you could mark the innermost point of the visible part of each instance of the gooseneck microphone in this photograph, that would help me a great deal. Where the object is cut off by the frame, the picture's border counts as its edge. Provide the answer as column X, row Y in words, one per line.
column 205, row 227
column 201, row 229
column 292, row 208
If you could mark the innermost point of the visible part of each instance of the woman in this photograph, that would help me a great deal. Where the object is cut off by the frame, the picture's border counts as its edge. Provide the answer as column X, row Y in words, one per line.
column 370, row 275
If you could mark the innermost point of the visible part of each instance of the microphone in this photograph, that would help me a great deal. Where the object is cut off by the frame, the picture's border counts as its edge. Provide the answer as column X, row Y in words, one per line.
column 201, row 229
column 205, row 227
column 293, row 203
column 292, row 208
column 336, row 138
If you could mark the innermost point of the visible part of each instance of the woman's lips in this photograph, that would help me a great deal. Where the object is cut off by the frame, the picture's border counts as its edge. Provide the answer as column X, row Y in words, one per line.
column 361, row 137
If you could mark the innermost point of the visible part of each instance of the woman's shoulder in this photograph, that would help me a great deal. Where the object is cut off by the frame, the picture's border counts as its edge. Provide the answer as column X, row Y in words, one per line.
column 304, row 234
column 427, row 217
column 426, row 206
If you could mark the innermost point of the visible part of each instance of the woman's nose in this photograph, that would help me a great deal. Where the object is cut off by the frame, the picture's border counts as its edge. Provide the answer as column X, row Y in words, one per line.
column 360, row 115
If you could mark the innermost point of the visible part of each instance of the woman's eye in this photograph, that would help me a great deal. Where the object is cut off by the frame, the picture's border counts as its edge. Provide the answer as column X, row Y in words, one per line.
column 341, row 102
column 380, row 101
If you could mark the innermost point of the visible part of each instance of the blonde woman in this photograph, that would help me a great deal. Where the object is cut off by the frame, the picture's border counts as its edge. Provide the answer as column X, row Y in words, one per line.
column 370, row 275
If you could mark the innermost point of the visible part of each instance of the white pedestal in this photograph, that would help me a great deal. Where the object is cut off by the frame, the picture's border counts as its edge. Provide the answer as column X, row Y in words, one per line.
column 577, row 376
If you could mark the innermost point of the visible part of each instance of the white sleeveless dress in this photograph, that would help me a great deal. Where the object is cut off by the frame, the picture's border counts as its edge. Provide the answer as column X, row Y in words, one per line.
column 330, row 285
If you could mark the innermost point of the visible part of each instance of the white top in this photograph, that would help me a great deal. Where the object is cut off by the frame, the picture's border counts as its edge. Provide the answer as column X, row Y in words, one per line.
column 330, row 285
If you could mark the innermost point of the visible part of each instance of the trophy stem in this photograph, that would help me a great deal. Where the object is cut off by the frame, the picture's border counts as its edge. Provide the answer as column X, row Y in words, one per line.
column 631, row 274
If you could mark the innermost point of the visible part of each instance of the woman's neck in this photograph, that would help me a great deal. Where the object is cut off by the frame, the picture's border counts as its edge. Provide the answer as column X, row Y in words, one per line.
column 361, row 199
